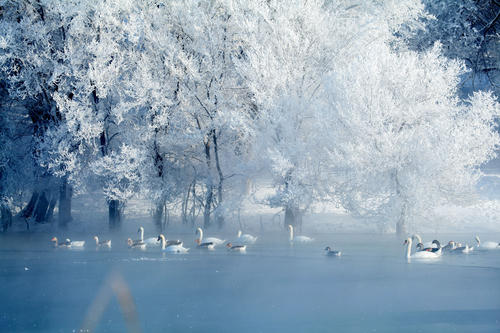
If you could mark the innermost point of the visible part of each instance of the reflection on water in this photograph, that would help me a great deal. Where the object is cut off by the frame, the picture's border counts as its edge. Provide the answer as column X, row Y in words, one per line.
column 274, row 287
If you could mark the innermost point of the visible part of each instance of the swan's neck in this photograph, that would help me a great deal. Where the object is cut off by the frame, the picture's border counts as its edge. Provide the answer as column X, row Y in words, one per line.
column 239, row 233
column 201, row 234
column 418, row 238
column 142, row 234
column 96, row 240
column 408, row 248
column 290, row 228
column 162, row 242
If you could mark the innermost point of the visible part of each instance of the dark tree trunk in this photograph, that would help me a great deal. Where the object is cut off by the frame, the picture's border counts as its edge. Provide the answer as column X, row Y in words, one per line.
column 158, row 215
column 30, row 207
column 209, row 198
column 219, row 216
column 293, row 217
column 208, row 205
column 402, row 224
column 6, row 218
column 185, row 204
column 65, row 194
column 50, row 210
column 115, row 214
column 192, row 211
column 41, row 208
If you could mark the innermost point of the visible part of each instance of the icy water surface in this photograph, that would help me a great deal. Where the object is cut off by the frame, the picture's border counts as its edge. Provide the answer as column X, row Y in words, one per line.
column 274, row 287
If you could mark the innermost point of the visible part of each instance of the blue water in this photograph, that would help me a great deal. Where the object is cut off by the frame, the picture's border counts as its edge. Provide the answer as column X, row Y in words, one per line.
column 274, row 287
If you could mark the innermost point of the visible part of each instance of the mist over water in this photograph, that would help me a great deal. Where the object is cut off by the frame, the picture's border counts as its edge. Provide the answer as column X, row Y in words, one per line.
column 274, row 287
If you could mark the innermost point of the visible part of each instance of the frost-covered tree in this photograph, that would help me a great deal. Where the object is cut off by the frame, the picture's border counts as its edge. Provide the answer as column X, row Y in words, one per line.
column 403, row 140
column 468, row 31
column 183, row 102
column 102, row 121
column 151, row 103
column 289, row 48
column 31, row 47
column 215, row 109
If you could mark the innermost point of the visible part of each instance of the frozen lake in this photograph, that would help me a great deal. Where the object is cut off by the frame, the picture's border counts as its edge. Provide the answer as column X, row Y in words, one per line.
column 274, row 287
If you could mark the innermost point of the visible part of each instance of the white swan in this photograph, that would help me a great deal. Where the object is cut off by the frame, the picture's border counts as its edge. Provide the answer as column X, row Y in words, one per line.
column 215, row 241
column 176, row 249
column 103, row 243
column 245, row 238
column 419, row 241
column 137, row 244
column 66, row 244
column 150, row 240
column 166, row 243
column 436, row 249
column 299, row 239
column 451, row 246
column 462, row 249
column 419, row 254
column 173, row 247
column 77, row 243
column 236, row 248
column 205, row 245
column 330, row 252
column 489, row 245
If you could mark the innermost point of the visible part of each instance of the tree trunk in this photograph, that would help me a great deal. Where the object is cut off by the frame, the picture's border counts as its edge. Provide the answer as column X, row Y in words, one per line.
column 219, row 216
column 65, row 194
column 41, row 208
column 293, row 217
column 402, row 224
column 158, row 216
column 185, row 203
column 6, row 218
column 208, row 206
column 30, row 207
column 50, row 210
column 115, row 214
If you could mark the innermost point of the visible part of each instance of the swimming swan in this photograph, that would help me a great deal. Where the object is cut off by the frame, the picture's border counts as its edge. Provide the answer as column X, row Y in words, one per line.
column 330, row 252
column 236, row 248
column 215, row 241
column 148, row 241
column 137, row 244
column 419, row 254
column 298, row 239
column 462, row 249
column 435, row 249
column 77, row 243
column 66, row 244
column 419, row 241
column 173, row 247
column 487, row 245
column 103, row 243
column 205, row 245
column 456, row 248
column 245, row 238
column 166, row 243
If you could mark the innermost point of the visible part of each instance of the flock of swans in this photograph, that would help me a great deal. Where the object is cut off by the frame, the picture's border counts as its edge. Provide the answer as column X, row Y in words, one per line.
column 428, row 250
column 239, row 244
column 434, row 250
